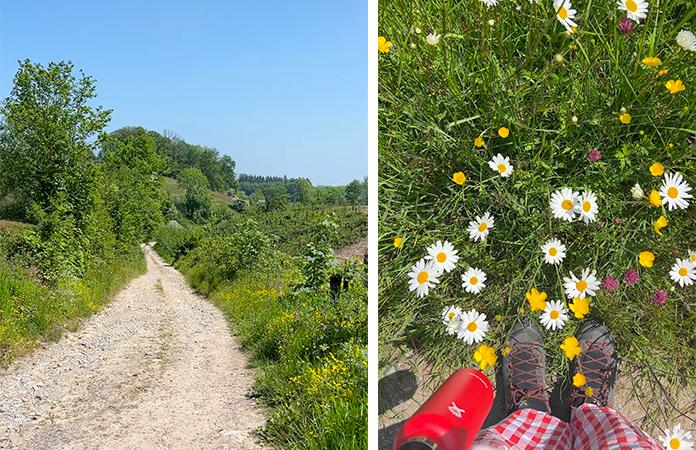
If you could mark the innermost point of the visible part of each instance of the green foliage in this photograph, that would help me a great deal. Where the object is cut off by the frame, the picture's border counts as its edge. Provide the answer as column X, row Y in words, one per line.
column 219, row 170
column 35, row 305
column 43, row 136
column 312, row 355
column 197, row 200
column 561, row 97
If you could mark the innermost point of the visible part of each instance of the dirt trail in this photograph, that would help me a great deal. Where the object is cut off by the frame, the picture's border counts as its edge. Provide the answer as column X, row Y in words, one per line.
column 157, row 369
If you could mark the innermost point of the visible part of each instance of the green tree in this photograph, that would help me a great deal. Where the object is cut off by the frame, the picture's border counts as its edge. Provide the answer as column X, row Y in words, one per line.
column 277, row 197
column 353, row 191
column 133, row 188
column 305, row 191
column 44, row 137
column 198, row 200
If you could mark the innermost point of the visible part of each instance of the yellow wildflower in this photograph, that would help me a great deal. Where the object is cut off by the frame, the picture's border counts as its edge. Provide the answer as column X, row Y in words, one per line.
column 659, row 224
column 655, row 198
column 486, row 356
column 479, row 142
column 384, row 45
column 662, row 72
column 646, row 259
column 625, row 118
column 579, row 379
column 398, row 242
column 675, row 86
column 571, row 346
column 504, row 132
column 459, row 178
column 657, row 169
column 589, row 391
column 536, row 300
column 652, row 61
column 580, row 307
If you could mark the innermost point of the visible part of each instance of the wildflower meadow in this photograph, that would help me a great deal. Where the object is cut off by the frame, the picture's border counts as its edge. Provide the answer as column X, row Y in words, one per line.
column 536, row 162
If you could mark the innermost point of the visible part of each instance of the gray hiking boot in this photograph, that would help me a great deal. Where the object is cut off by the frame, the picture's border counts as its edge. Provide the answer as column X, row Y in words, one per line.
column 524, row 379
column 598, row 363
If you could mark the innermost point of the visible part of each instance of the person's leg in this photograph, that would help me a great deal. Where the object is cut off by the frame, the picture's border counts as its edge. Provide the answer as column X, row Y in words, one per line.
column 529, row 424
column 593, row 421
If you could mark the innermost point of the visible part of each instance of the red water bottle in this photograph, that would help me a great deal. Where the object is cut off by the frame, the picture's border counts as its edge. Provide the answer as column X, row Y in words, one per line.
column 451, row 417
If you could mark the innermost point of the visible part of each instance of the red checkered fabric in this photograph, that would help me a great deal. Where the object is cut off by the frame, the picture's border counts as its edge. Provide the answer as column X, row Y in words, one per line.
column 600, row 427
column 593, row 427
column 526, row 429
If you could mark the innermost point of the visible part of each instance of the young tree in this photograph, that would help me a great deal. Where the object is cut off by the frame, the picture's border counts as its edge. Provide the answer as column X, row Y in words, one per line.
column 198, row 199
column 353, row 190
column 44, row 137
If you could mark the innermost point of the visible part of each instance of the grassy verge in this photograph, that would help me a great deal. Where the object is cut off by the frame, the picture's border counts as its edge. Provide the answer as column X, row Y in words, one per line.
column 32, row 308
column 311, row 354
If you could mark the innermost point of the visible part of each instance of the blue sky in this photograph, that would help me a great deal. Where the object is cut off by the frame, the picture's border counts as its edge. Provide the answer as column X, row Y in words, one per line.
column 279, row 86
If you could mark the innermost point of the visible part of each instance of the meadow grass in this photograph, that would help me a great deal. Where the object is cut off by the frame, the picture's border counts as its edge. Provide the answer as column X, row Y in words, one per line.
column 33, row 308
column 561, row 96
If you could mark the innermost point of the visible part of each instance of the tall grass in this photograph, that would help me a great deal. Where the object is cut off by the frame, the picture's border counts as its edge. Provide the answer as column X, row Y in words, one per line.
column 34, row 308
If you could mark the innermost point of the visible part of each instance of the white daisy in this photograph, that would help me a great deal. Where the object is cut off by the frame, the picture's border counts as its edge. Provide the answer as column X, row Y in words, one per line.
column 490, row 2
column 452, row 318
column 478, row 229
column 433, row 38
column 678, row 439
column 635, row 9
column 692, row 257
column 554, row 316
column 683, row 272
column 565, row 14
column 686, row 40
column 443, row 256
column 423, row 277
column 473, row 327
column 501, row 164
column 564, row 204
column 587, row 284
column 674, row 191
column 588, row 206
column 473, row 280
column 554, row 251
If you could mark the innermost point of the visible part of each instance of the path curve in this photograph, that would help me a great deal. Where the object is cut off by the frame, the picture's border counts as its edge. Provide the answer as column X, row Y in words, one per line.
column 156, row 369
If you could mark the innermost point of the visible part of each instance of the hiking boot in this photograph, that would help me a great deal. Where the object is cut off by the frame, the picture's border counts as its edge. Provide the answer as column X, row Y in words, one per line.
column 599, row 365
column 524, row 379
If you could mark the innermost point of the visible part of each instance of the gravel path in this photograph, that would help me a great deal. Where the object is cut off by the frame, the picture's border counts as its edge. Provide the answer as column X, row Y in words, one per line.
column 157, row 369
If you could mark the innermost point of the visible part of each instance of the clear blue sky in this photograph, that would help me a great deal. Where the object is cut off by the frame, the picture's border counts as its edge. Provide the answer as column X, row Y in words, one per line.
column 280, row 86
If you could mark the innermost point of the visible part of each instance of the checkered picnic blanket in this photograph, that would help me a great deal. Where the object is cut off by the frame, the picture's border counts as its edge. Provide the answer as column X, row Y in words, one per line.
column 592, row 427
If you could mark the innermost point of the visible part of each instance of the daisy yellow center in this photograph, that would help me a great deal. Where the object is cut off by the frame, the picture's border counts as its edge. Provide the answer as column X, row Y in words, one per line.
column 472, row 327
column 473, row 280
column 567, row 205
column 693, row 258
column 563, row 13
column 674, row 443
column 683, row 271
column 631, row 6
column 587, row 206
column 441, row 257
column 672, row 192
column 554, row 315
column 422, row 277
column 451, row 315
column 581, row 285
column 502, row 168
column 483, row 227
column 553, row 251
